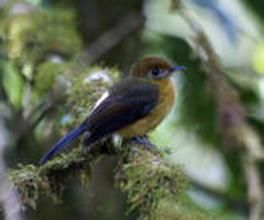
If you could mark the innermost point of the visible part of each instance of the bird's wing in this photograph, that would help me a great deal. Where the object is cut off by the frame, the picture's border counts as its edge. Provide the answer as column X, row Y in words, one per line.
column 126, row 103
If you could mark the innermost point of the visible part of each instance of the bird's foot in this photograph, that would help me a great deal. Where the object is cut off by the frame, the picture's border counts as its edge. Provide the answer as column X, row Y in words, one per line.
column 144, row 140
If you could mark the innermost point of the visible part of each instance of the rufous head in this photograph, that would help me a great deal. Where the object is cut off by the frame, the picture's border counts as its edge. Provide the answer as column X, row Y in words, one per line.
column 154, row 68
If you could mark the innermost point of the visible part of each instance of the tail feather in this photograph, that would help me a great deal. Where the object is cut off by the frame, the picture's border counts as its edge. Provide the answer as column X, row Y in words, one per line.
column 62, row 144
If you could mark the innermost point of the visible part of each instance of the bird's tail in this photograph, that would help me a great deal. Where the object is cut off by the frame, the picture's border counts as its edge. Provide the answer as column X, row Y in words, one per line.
column 62, row 143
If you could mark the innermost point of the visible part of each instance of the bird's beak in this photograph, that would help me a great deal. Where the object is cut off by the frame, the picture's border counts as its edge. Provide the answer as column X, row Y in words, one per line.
column 175, row 69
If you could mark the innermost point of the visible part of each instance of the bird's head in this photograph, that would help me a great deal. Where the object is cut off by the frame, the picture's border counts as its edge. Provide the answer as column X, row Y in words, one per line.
column 154, row 68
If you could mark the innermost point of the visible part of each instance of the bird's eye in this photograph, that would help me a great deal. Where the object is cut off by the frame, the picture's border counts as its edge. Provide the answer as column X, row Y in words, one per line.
column 155, row 71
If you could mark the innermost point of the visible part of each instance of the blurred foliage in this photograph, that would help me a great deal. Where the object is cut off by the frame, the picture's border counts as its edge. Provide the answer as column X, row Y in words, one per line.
column 10, row 81
column 25, row 39
column 196, row 105
column 256, row 6
column 258, row 58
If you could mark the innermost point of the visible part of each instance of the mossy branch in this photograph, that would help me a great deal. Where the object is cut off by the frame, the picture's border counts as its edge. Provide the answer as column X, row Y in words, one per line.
column 33, row 181
column 154, row 186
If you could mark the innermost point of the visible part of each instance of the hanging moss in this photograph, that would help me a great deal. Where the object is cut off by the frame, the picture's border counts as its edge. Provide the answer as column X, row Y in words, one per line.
column 32, row 182
column 154, row 186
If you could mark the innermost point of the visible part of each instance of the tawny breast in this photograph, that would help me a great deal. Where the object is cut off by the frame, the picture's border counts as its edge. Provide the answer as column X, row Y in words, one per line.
column 160, row 111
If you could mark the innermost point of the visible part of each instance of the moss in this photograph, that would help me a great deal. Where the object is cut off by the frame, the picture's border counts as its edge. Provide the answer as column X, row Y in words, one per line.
column 148, row 179
column 79, row 89
column 46, row 75
column 49, row 180
column 90, row 84
column 33, row 35
column 153, row 186
column 27, row 181
column 172, row 211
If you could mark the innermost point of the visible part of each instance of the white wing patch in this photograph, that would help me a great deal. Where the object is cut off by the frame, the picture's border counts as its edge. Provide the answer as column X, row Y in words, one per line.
column 100, row 100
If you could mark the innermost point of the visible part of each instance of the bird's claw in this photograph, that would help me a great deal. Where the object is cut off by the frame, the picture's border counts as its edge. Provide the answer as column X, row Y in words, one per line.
column 144, row 141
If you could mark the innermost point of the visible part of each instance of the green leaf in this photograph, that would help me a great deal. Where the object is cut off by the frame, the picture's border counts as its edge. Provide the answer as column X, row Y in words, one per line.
column 13, row 84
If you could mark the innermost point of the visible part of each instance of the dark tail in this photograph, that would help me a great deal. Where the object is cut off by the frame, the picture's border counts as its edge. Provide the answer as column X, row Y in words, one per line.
column 62, row 144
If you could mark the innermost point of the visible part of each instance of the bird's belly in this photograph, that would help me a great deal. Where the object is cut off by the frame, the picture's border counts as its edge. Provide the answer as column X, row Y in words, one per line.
column 149, row 122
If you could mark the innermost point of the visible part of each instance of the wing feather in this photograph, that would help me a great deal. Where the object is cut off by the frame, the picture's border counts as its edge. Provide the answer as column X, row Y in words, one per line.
column 127, row 102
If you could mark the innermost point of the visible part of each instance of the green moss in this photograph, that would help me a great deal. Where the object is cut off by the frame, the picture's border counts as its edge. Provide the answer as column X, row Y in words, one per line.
column 33, row 35
column 27, row 181
column 171, row 211
column 46, row 75
column 87, row 87
column 49, row 180
column 149, row 180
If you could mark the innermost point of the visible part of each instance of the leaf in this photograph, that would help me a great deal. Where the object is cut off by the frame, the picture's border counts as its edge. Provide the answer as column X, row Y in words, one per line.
column 13, row 84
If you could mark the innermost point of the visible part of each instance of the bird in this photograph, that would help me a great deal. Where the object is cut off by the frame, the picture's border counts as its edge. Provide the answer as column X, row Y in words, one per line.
column 131, row 108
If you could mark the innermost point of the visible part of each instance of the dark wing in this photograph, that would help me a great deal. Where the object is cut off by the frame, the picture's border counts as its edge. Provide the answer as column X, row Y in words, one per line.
column 62, row 143
column 128, row 101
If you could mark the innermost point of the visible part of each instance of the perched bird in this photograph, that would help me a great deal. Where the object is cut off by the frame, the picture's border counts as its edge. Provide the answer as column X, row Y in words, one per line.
column 131, row 108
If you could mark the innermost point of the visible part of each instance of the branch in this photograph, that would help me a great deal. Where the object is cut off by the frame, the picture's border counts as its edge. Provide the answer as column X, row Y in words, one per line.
column 8, row 194
column 231, row 203
column 27, row 125
column 33, row 182
column 111, row 38
column 232, row 117
column 254, row 188
column 231, row 113
column 152, row 184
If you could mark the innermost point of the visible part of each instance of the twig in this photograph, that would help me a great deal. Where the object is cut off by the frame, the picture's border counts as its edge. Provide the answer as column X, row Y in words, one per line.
column 111, row 38
column 254, row 188
column 231, row 203
column 232, row 115
column 28, row 124
column 8, row 195
column 3, row 95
